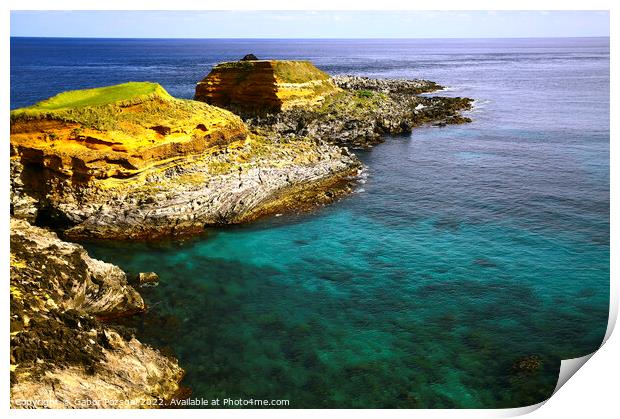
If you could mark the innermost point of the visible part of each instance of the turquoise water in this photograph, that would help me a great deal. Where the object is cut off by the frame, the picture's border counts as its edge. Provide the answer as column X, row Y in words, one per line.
column 463, row 250
column 372, row 307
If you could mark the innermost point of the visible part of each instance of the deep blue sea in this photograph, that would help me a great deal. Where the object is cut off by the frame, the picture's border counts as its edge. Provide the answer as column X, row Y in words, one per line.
column 467, row 248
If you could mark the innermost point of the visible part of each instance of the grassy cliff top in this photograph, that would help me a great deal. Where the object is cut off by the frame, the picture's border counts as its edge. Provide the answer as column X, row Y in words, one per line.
column 132, row 92
column 285, row 71
column 127, row 117
column 120, row 107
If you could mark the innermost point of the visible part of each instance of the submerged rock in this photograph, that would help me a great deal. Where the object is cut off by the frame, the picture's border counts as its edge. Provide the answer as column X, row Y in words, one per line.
column 132, row 162
column 147, row 279
column 62, row 355
column 527, row 364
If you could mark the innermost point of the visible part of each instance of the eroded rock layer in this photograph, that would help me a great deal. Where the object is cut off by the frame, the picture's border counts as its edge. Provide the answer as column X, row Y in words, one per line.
column 264, row 86
column 151, row 166
column 62, row 355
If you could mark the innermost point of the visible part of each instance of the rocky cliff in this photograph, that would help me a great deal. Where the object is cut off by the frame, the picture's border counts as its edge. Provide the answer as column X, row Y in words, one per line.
column 132, row 162
column 265, row 85
column 62, row 355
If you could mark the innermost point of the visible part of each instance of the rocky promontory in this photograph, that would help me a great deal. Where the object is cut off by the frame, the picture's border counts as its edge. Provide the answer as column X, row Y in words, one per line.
column 63, row 354
column 349, row 111
column 132, row 162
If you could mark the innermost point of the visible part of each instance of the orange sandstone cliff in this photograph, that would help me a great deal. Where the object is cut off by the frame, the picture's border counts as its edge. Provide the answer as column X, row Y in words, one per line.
column 265, row 85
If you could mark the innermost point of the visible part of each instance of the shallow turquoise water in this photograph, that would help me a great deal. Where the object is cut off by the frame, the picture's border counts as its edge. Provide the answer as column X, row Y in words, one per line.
column 372, row 304
column 465, row 249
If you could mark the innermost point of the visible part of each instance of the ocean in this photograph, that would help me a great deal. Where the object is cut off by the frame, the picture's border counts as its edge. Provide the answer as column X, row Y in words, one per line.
column 464, row 252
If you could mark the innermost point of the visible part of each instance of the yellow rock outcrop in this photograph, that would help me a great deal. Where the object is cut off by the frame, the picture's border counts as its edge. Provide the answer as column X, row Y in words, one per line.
column 120, row 138
column 265, row 85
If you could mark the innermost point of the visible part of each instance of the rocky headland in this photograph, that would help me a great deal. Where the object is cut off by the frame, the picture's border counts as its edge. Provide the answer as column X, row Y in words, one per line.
column 131, row 162
column 344, row 110
column 260, row 86
column 136, row 163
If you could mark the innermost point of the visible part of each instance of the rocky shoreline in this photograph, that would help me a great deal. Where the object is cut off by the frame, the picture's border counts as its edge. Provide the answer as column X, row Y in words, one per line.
column 365, row 110
column 130, row 162
column 63, row 353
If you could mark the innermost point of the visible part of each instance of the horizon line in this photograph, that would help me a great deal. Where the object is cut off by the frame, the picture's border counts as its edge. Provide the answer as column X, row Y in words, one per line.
column 314, row 38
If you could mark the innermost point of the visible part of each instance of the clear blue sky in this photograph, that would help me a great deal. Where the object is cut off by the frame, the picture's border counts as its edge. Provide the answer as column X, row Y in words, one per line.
column 301, row 24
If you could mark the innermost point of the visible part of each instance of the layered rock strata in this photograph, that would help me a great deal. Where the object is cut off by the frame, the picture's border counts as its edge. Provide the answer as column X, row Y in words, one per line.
column 150, row 166
column 62, row 353
column 265, row 85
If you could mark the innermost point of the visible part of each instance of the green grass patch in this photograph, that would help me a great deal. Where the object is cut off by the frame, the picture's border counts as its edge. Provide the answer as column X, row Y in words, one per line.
column 364, row 93
column 297, row 71
column 131, row 92
column 286, row 71
column 350, row 104
column 107, row 110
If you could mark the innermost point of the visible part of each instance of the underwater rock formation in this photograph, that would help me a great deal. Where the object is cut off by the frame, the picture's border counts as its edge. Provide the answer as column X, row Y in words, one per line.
column 62, row 354
column 132, row 162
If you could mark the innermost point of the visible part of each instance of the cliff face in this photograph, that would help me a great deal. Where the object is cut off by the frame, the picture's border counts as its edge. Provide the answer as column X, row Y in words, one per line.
column 61, row 354
column 145, row 165
column 264, row 86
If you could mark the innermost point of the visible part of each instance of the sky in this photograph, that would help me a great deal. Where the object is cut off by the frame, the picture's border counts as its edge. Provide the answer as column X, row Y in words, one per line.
column 306, row 24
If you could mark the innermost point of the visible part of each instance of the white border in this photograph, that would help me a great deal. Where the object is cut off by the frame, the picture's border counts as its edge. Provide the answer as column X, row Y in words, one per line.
column 592, row 393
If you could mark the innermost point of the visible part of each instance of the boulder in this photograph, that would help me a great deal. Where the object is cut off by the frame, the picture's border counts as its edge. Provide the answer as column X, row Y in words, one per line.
column 249, row 57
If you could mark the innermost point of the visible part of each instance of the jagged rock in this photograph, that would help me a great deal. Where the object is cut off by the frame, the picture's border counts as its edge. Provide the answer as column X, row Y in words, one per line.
column 145, row 165
column 61, row 353
column 264, row 86
column 401, row 86
column 93, row 286
column 249, row 57
column 363, row 111
column 147, row 279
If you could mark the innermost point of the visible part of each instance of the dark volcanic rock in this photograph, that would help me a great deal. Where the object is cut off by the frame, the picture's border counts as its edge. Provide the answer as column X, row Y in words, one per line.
column 364, row 110
column 249, row 57
column 386, row 85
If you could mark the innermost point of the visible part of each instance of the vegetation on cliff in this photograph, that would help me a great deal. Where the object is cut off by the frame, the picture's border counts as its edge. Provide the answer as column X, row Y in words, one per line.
column 126, row 93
